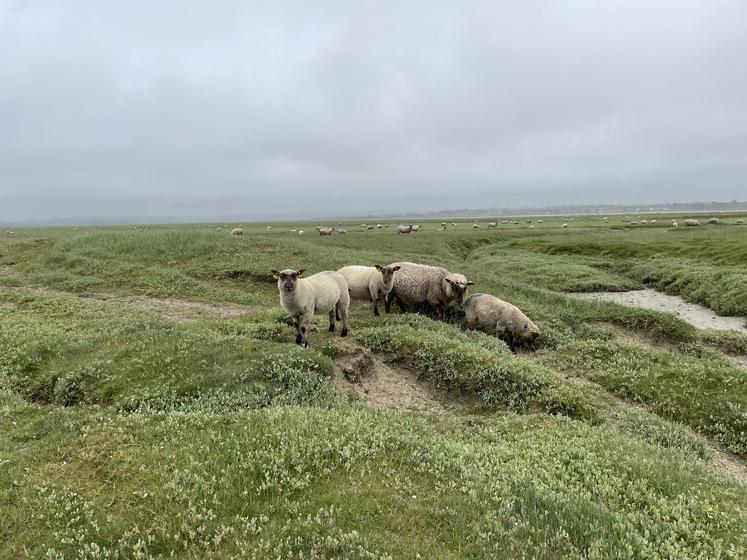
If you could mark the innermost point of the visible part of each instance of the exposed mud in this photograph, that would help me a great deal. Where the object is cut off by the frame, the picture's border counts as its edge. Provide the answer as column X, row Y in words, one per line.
column 170, row 309
column 697, row 315
column 382, row 385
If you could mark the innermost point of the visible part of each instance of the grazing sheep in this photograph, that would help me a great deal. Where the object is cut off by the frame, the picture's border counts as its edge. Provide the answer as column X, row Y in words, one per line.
column 416, row 284
column 369, row 282
column 475, row 226
column 237, row 231
column 674, row 224
column 326, row 231
column 739, row 222
column 713, row 221
column 378, row 226
column 652, row 222
column 644, row 221
column 342, row 232
column 690, row 222
column 501, row 318
column 404, row 229
column 492, row 224
column 369, row 228
column 564, row 226
column 633, row 223
column 269, row 228
column 415, row 228
column 325, row 292
column 300, row 232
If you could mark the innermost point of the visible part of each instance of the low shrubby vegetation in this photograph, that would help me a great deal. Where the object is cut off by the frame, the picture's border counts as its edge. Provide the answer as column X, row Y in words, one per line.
column 126, row 432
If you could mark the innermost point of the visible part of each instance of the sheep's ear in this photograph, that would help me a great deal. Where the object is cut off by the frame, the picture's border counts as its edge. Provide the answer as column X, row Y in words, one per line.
column 378, row 267
column 300, row 272
column 396, row 268
column 275, row 274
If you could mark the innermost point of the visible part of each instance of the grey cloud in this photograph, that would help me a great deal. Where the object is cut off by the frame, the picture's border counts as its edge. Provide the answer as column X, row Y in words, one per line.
column 328, row 108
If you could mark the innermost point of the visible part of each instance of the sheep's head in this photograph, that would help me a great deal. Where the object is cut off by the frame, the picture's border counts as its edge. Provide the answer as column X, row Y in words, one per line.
column 529, row 332
column 455, row 286
column 387, row 274
column 287, row 278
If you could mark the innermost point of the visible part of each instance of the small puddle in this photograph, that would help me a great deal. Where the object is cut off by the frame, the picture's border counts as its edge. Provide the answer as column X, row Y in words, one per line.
column 697, row 315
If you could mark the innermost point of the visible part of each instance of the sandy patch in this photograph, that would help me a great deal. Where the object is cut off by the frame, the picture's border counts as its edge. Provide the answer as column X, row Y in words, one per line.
column 697, row 315
column 177, row 310
column 382, row 385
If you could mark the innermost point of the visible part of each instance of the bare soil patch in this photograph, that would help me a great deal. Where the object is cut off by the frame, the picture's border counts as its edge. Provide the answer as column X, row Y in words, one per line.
column 382, row 385
column 697, row 315
column 177, row 310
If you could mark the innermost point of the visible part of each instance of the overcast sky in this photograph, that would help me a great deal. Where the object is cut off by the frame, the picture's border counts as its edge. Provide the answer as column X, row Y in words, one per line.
column 283, row 109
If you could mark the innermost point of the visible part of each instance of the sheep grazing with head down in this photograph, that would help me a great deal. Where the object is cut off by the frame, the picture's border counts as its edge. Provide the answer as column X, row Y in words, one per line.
column 690, row 222
column 492, row 224
column 237, row 231
column 404, row 229
column 475, row 226
column 325, row 292
column 714, row 221
column 369, row 282
column 326, row 231
column 674, row 224
column 564, row 226
column 416, row 284
column 300, row 232
column 499, row 317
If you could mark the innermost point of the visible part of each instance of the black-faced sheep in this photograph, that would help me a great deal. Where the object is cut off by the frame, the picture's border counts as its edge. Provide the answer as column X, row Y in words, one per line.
column 499, row 317
column 416, row 284
column 325, row 292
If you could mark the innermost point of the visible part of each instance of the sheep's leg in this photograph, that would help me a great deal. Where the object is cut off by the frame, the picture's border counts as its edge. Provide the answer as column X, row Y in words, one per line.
column 344, row 318
column 298, row 321
column 512, row 343
column 376, row 305
column 307, row 318
column 332, row 315
column 401, row 305
column 388, row 303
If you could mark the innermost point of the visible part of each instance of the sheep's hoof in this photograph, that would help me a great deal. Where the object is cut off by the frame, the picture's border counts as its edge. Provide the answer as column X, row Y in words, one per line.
column 344, row 332
column 331, row 327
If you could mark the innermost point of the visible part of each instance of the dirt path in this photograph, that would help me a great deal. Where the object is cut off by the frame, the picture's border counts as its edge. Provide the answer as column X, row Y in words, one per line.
column 697, row 315
column 177, row 310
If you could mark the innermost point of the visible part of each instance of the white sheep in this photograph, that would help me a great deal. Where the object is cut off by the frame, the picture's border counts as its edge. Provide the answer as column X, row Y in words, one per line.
column 415, row 228
column 690, row 222
column 378, row 226
column 564, row 226
column 739, row 222
column 300, row 232
column 237, row 231
column 492, row 224
column 369, row 282
column 326, row 231
column 499, row 317
column 404, row 229
column 475, row 226
column 674, row 224
column 269, row 228
column 342, row 232
column 713, row 221
column 415, row 284
column 325, row 292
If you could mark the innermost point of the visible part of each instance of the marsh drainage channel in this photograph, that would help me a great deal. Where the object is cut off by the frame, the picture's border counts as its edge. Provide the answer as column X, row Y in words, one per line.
column 697, row 315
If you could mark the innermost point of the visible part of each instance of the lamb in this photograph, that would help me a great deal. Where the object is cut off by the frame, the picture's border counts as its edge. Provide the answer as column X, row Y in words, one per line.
column 237, row 231
column 502, row 318
column 690, row 222
column 325, row 292
column 369, row 282
column 404, row 229
column 416, row 284
column 326, row 230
